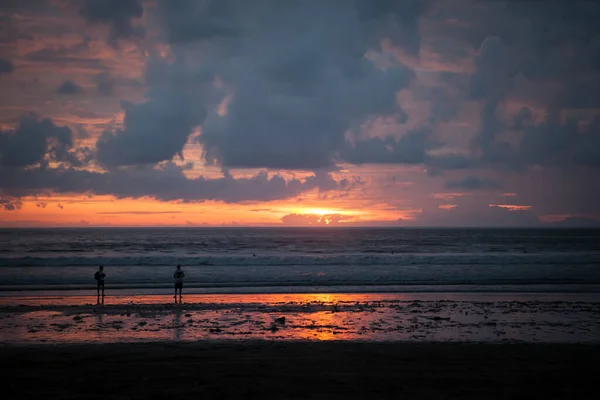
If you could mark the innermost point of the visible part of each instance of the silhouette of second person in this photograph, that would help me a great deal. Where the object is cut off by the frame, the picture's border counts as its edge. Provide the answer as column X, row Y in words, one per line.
column 99, row 276
column 178, row 276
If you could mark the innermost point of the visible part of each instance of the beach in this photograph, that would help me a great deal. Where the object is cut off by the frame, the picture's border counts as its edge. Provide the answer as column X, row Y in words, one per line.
column 427, row 345
column 299, row 199
column 360, row 314
column 308, row 370
column 417, row 317
column 311, row 346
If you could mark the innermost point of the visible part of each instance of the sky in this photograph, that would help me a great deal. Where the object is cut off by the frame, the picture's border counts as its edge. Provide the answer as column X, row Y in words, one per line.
column 285, row 112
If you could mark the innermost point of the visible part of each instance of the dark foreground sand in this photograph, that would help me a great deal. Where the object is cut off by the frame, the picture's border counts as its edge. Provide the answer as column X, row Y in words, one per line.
column 314, row 370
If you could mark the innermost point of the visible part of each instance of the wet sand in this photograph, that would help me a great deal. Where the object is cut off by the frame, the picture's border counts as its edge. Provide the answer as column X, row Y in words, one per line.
column 364, row 317
column 309, row 370
column 312, row 346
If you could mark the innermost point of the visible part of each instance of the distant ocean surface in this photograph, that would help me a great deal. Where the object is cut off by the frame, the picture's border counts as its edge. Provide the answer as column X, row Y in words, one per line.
column 296, row 258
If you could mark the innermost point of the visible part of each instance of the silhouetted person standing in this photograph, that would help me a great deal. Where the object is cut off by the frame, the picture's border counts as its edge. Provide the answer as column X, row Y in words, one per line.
column 99, row 276
column 178, row 275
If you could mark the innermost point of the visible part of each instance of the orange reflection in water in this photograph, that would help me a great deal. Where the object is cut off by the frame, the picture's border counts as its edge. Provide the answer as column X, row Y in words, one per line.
column 324, row 325
column 196, row 299
column 307, row 317
column 154, row 317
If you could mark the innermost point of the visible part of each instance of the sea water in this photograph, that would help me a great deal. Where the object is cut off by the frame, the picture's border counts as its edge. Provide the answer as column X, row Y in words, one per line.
column 331, row 258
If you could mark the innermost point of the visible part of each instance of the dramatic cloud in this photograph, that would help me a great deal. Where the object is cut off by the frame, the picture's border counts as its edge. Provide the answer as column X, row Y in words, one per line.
column 410, row 148
column 118, row 14
column 451, row 161
column 153, row 131
column 294, row 78
column 32, row 140
column 555, row 53
column 167, row 184
column 443, row 96
column 395, row 20
column 39, row 142
column 294, row 130
column 69, row 87
column 563, row 145
column 5, row 66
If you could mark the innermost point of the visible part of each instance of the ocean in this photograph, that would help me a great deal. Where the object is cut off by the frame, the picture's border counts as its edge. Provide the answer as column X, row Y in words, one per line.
column 337, row 259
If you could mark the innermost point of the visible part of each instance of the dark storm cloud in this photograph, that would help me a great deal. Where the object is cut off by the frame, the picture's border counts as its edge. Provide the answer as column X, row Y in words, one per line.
column 301, row 120
column 556, row 191
column 153, row 131
column 69, row 87
column 289, row 130
column 495, row 67
column 582, row 92
column 563, row 39
column 32, row 140
column 491, row 83
column 453, row 161
column 118, row 14
column 396, row 20
column 472, row 183
column 298, row 77
column 23, row 6
column 188, row 21
column 551, row 143
column 157, row 129
column 562, row 144
column 522, row 119
column 286, row 84
column 444, row 106
column 556, row 46
column 6, row 66
column 166, row 184
column 410, row 148
column 546, row 57
column 36, row 141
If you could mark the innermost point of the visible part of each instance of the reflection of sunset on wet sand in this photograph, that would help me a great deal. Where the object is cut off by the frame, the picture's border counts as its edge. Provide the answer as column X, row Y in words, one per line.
column 321, row 317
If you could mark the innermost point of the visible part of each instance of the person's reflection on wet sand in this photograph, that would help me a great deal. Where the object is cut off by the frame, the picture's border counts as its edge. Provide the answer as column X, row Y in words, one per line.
column 99, row 324
column 177, row 324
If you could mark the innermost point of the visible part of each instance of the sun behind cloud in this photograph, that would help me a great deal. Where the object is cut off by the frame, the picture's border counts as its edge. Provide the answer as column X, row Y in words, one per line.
column 325, row 211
